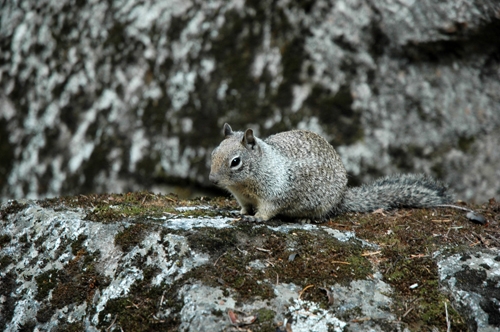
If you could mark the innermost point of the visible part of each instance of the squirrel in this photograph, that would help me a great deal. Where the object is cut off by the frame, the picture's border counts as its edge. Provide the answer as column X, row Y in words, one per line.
column 298, row 174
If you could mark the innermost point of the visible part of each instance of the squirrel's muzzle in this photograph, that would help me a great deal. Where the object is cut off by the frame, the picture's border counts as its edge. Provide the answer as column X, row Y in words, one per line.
column 213, row 178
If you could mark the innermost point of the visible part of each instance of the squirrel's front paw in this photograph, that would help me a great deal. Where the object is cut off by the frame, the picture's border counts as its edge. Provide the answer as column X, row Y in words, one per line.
column 249, row 218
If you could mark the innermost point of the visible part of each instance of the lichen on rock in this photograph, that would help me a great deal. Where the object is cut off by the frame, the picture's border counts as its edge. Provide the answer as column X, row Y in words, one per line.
column 152, row 262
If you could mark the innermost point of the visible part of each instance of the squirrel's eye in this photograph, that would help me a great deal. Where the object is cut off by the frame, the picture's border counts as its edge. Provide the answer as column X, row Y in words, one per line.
column 235, row 162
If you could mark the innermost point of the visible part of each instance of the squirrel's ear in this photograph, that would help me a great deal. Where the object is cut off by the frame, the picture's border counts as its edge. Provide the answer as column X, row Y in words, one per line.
column 227, row 130
column 249, row 140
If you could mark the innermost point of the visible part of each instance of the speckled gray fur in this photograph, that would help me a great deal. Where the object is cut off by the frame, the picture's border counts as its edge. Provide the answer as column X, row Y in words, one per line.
column 298, row 174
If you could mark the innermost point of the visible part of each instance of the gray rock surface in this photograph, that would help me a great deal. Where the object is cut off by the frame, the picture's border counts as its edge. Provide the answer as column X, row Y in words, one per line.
column 115, row 95
column 62, row 270
column 472, row 278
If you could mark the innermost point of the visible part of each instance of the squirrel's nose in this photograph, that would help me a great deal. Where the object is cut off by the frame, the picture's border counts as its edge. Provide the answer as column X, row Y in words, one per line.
column 213, row 178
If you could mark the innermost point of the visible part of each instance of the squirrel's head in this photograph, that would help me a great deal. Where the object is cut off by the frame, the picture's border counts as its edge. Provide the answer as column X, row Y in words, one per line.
column 235, row 157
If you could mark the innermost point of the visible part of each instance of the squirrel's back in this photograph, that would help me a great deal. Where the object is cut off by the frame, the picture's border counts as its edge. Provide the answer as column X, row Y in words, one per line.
column 316, row 175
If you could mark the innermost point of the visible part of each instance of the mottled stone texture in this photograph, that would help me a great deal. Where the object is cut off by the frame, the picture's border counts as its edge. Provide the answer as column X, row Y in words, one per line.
column 120, row 95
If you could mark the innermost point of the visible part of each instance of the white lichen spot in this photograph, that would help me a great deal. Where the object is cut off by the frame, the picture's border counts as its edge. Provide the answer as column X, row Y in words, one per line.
column 221, row 91
column 308, row 316
column 179, row 88
column 139, row 143
column 207, row 67
column 186, row 125
column 300, row 94
column 7, row 108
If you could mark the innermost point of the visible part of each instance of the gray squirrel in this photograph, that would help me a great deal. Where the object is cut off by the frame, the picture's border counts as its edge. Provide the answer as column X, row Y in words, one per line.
column 298, row 174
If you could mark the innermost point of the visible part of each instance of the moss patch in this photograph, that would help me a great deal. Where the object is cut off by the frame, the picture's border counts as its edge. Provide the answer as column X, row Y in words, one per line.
column 45, row 283
column 75, row 283
column 137, row 311
column 7, row 286
column 139, row 206
column 131, row 236
column 407, row 238
column 78, row 281
column 10, row 208
column 318, row 259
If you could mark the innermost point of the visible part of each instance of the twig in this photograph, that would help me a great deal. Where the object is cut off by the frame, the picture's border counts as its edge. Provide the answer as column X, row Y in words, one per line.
column 135, row 305
column 448, row 323
column 215, row 263
column 169, row 199
column 304, row 289
column 419, row 256
column 453, row 207
column 492, row 237
column 162, row 295
column 407, row 312
column 371, row 253
column 112, row 323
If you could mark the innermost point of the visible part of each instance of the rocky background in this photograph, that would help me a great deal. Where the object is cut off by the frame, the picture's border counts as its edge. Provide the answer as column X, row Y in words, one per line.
column 123, row 95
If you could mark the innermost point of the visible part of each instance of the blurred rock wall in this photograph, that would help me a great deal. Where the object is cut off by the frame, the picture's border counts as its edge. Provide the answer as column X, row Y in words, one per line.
column 124, row 94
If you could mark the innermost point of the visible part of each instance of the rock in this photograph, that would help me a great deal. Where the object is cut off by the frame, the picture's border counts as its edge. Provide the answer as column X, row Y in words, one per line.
column 471, row 278
column 112, row 96
column 143, row 262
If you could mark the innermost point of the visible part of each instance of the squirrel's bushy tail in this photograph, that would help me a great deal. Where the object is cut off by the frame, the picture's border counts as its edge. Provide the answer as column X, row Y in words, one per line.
column 408, row 190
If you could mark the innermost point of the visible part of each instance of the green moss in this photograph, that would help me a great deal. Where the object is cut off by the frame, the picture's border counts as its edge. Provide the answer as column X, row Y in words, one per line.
column 321, row 259
column 7, row 287
column 143, row 207
column 265, row 315
column 131, row 236
column 75, row 283
column 136, row 312
column 78, row 280
column 11, row 207
column 72, row 327
column 45, row 313
column 77, row 245
column 408, row 237
column 213, row 241
column 45, row 283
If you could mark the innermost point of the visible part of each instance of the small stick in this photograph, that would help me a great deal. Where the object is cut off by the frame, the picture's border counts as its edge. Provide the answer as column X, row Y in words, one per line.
column 303, row 290
column 215, row 263
column 448, row 323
